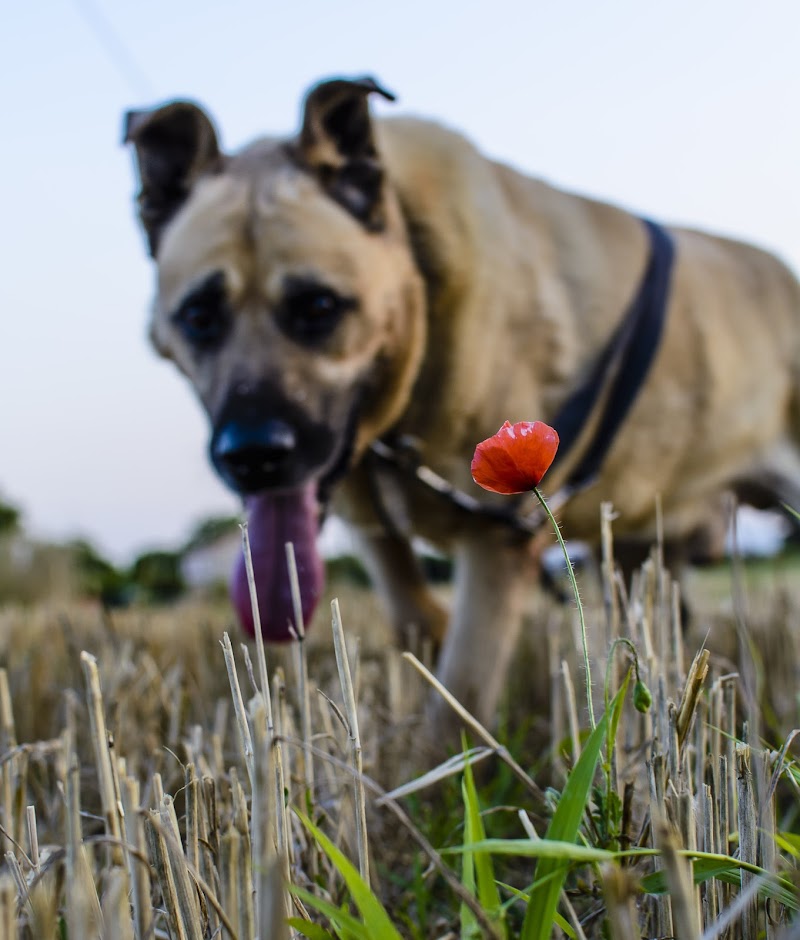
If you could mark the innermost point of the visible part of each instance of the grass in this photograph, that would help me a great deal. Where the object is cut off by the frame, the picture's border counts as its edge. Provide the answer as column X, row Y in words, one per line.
column 154, row 783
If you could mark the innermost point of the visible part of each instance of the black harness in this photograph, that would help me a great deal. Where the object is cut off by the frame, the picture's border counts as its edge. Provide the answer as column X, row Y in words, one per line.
column 625, row 362
column 619, row 374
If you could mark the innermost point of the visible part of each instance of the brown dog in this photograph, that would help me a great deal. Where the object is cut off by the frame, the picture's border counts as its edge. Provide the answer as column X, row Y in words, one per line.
column 382, row 281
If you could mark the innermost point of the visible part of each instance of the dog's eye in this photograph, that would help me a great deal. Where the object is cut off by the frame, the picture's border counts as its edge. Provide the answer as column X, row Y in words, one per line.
column 310, row 313
column 203, row 316
column 201, row 325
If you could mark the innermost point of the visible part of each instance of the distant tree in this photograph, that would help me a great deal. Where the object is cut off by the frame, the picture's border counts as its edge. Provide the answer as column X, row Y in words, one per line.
column 10, row 518
column 207, row 531
column 347, row 568
column 97, row 577
column 156, row 576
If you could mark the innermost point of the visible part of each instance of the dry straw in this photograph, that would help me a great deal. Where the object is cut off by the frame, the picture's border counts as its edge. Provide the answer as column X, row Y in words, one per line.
column 168, row 807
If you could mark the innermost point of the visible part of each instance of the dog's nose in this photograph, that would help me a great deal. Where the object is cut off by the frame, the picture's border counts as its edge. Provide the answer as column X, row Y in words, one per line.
column 253, row 457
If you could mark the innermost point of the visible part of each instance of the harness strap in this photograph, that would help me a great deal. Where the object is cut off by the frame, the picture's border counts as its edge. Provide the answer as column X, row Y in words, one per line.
column 629, row 355
column 621, row 370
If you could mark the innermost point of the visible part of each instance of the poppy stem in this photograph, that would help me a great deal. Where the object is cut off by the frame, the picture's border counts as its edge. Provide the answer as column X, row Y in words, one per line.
column 579, row 605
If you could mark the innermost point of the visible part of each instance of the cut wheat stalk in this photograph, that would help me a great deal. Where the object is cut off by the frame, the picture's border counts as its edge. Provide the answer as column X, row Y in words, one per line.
column 8, row 769
column 260, row 652
column 731, row 916
column 303, row 690
column 619, row 890
column 242, row 726
column 244, row 882
column 192, row 797
column 678, row 870
column 83, row 911
column 117, row 923
column 135, row 836
column 109, row 785
column 608, row 581
column 711, row 845
column 177, row 889
column 662, row 913
column 351, row 713
column 327, row 711
column 15, row 869
column 282, row 770
column 8, row 906
column 572, row 712
column 266, row 821
column 33, row 838
column 748, row 833
column 272, row 923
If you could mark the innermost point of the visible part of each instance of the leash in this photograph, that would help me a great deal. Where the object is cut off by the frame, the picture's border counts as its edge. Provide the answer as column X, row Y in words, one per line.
column 620, row 371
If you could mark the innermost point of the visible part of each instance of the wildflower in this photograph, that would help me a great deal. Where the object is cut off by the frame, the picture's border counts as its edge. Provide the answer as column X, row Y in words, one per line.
column 642, row 697
column 514, row 461
column 516, row 458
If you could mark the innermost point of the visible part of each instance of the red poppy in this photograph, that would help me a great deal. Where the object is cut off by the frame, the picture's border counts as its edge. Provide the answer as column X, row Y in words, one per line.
column 516, row 458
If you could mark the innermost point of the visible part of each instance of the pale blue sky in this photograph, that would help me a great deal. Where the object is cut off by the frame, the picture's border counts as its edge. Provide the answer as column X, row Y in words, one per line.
column 686, row 111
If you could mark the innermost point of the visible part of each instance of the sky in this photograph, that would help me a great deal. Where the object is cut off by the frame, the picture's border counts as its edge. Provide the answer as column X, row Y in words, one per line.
column 685, row 111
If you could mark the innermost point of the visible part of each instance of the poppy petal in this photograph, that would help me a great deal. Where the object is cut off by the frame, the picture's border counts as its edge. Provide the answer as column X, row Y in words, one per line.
column 515, row 459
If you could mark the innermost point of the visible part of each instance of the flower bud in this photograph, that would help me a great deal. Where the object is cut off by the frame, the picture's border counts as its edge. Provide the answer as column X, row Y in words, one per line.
column 642, row 699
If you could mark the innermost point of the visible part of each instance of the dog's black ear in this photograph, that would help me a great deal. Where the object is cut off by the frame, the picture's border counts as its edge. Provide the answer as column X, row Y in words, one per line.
column 175, row 144
column 337, row 145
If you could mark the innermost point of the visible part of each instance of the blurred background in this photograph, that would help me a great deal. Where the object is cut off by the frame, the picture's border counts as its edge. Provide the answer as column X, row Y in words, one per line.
column 686, row 112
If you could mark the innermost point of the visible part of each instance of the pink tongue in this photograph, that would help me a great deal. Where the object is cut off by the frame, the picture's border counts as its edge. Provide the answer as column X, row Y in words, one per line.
column 274, row 520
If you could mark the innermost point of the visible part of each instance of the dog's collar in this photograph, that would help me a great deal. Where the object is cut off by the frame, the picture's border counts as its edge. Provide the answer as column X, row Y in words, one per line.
column 618, row 376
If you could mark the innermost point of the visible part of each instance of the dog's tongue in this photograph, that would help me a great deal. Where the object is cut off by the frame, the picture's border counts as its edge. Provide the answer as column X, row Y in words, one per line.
column 274, row 520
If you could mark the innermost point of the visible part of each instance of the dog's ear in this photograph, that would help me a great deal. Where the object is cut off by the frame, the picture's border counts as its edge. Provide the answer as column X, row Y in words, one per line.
column 337, row 145
column 175, row 144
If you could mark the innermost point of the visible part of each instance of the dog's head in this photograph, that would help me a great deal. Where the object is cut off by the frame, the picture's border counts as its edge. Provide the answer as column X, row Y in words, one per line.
column 286, row 292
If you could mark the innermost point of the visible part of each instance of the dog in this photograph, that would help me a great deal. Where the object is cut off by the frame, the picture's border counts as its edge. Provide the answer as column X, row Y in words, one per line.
column 361, row 303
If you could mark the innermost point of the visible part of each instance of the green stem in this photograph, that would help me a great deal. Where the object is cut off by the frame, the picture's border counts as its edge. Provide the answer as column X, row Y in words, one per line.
column 573, row 581
column 624, row 641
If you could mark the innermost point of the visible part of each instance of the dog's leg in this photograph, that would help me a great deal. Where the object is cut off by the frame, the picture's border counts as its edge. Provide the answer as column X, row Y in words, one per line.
column 492, row 577
column 394, row 569
column 630, row 554
column 775, row 480
column 398, row 578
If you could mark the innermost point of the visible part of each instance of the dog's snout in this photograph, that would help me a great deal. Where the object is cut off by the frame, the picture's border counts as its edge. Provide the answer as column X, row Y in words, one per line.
column 252, row 457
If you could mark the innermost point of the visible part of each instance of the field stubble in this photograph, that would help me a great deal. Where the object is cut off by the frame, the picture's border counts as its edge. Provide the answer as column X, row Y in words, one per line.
column 141, row 797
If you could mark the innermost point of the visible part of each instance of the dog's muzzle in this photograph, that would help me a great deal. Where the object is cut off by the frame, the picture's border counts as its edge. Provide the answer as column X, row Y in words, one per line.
column 254, row 456
column 282, row 461
column 262, row 442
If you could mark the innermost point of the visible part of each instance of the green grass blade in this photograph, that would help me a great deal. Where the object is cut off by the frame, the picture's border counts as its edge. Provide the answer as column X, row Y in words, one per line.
column 345, row 926
column 774, row 888
column 376, row 920
column 789, row 842
column 478, row 866
column 564, row 827
column 702, row 870
column 466, row 916
column 516, row 895
column 469, row 923
column 563, row 924
column 309, row 929
column 567, row 852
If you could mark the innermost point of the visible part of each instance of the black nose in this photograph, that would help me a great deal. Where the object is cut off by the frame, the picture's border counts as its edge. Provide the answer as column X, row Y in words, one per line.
column 252, row 457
